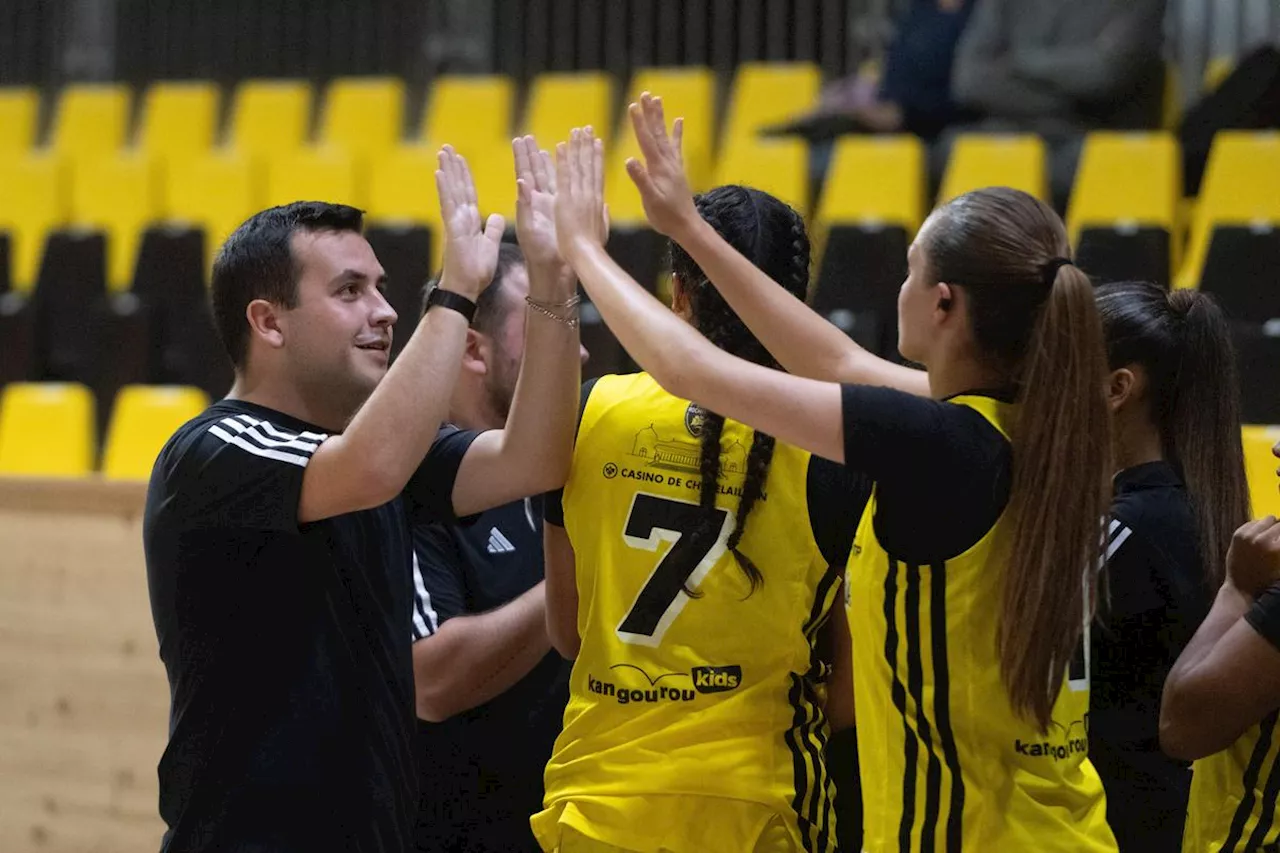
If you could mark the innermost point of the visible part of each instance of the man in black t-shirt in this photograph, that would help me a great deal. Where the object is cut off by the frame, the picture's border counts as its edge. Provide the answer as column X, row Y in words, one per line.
column 490, row 690
column 277, row 529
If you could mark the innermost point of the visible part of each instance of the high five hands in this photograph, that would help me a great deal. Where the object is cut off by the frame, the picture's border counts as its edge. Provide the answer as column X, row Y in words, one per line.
column 470, row 253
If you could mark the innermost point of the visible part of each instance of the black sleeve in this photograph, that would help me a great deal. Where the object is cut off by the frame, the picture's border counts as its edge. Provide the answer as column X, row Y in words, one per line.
column 553, row 504
column 439, row 579
column 430, row 489
column 837, row 496
column 940, row 469
column 1264, row 616
column 218, row 478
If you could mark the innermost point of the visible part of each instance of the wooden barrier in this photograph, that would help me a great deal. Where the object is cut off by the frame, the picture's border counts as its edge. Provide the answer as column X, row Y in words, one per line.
column 83, row 697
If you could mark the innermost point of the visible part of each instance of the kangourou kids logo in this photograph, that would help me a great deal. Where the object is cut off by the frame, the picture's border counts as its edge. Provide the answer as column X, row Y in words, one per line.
column 669, row 687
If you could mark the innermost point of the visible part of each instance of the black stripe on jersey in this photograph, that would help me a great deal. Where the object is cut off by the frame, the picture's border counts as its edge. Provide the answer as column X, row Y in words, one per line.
column 900, row 702
column 915, row 685
column 794, row 736
column 942, row 701
column 1266, row 815
column 1250, row 781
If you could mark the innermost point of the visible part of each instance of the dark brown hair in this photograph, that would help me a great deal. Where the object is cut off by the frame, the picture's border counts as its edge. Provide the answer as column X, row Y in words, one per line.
column 772, row 236
column 1183, row 342
column 1035, row 320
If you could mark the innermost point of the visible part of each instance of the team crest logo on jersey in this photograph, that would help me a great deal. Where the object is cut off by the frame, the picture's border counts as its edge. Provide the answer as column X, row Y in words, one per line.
column 694, row 419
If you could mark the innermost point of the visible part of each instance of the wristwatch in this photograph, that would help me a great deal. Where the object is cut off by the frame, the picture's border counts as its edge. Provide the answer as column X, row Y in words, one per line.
column 453, row 301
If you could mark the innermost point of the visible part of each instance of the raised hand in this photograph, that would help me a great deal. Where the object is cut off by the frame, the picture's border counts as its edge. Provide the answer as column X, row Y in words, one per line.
column 470, row 254
column 1253, row 561
column 580, row 212
column 536, row 204
column 664, row 188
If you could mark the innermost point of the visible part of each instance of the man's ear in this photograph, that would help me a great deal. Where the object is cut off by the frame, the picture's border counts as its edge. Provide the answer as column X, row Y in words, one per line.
column 264, row 323
column 475, row 355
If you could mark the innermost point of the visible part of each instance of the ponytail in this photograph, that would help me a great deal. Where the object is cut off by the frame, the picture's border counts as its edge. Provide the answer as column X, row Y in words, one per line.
column 1202, row 427
column 1062, row 465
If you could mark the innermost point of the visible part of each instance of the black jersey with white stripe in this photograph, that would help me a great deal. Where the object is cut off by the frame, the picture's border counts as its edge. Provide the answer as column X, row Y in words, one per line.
column 1154, row 597
column 290, row 670
column 481, row 774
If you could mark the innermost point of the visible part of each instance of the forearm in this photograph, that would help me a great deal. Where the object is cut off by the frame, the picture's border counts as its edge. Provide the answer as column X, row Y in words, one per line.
column 538, row 438
column 562, row 591
column 800, row 339
column 1190, row 699
column 473, row 659
column 392, row 432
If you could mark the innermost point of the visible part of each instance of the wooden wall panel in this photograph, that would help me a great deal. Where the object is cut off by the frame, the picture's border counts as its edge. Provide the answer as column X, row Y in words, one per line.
column 83, row 697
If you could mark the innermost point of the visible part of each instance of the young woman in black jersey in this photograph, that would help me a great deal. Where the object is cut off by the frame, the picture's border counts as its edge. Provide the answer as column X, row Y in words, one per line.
column 1179, row 494
column 973, row 571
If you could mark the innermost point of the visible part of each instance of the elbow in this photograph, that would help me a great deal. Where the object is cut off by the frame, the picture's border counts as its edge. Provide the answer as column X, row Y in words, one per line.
column 1189, row 734
column 1176, row 741
column 675, row 369
column 564, row 640
column 433, row 703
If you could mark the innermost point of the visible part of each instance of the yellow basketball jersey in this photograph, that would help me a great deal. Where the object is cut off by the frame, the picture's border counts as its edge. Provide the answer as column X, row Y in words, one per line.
column 711, row 699
column 1233, row 796
column 946, row 763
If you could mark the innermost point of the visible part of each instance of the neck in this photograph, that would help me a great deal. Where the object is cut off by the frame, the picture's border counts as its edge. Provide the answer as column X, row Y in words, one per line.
column 288, row 399
column 469, row 410
column 957, row 375
column 1136, row 445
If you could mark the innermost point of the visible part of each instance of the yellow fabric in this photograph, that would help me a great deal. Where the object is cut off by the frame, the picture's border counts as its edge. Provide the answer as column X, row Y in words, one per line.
column 142, row 420
column 979, row 161
column 946, row 764
column 691, row 826
column 1227, row 811
column 714, row 701
column 46, row 430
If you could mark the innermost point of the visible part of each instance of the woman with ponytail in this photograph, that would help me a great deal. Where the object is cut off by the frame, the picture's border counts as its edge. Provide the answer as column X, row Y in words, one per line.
column 692, row 567
column 1178, row 495
column 973, row 572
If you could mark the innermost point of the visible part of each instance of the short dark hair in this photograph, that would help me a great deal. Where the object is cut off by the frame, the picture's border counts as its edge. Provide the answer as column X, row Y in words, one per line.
column 257, row 262
column 491, row 311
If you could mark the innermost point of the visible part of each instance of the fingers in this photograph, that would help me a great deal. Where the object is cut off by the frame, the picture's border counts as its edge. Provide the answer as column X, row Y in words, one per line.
column 597, row 156
column 520, row 148
column 493, row 228
column 547, row 170
column 641, row 131
column 677, row 138
column 562, row 168
column 640, row 177
column 523, row 196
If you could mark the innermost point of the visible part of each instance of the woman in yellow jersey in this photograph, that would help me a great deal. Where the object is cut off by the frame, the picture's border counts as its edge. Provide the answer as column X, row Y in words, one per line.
column 1222, row 701
column 691, row 565
column 973, row 569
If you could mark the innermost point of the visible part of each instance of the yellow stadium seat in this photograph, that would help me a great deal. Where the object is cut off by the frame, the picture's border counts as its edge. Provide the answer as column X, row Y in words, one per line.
column 142, row 420
column 19, row 108
column 1131, row 183
column 402, row 191
column 179, row 121
column 90, row 121
column 46, row 430
column 878, row 180
column 216, row 192
column 767, row 94
column 363, row 115
column 270, row 118
column 33, row 201
column 685, row 92
column 471, row 113
column 560, row 102
column 777, row 166
column 978, row 161
column 1241, row 187
column 1260, row 466
column 119, row 195
column 313, row 174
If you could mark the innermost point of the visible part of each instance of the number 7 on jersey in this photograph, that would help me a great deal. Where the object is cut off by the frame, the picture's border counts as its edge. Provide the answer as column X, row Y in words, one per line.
column 695, row 548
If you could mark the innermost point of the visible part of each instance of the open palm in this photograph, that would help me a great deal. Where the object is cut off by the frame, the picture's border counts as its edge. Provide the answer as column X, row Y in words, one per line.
column 535, row 203
column 470, row 252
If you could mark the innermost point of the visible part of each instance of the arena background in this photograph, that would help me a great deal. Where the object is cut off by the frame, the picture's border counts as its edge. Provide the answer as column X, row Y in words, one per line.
column 104, row 347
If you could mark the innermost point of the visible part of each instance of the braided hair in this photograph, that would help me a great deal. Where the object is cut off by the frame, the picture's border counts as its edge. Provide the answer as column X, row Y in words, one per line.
column 772, row 235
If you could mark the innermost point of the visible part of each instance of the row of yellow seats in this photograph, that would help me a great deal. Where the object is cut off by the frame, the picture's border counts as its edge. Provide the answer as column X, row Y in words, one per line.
column 1122, row 179
column 47, row 429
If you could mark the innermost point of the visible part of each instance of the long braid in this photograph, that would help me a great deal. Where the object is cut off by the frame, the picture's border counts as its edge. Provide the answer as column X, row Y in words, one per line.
column 781, row 249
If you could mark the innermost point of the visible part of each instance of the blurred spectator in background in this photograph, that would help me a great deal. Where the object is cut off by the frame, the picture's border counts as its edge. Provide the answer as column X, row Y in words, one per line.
column 1060, row 69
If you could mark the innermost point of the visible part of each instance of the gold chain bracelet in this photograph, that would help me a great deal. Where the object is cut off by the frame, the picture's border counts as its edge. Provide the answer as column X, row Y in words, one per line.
column 545, row 309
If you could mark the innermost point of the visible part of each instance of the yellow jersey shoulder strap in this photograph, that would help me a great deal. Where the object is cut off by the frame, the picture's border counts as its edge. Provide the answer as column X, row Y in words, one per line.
column 997, row 412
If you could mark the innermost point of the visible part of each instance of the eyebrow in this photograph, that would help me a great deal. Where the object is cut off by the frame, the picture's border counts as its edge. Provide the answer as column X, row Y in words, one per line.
column 349, row 275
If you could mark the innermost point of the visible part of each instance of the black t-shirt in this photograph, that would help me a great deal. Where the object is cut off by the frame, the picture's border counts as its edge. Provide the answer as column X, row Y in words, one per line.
column 1153, row 599
column 481, row 770
column 942, row 471
column 291, row 679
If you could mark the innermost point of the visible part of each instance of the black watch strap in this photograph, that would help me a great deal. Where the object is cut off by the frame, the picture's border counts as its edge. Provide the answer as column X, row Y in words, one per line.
column 453, row 301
